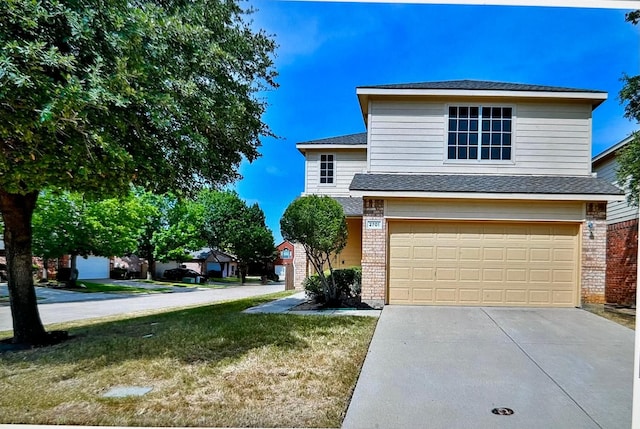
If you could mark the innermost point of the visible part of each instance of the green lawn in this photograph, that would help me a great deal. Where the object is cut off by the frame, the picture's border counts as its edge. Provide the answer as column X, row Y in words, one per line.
column 208, row 366
column 235, row 280
column 91, row 287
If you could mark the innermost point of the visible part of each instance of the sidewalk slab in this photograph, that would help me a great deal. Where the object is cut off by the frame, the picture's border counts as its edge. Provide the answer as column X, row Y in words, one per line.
column 286, row 305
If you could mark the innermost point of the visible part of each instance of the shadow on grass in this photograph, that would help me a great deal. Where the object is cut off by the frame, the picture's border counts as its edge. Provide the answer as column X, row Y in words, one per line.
column 205, row 334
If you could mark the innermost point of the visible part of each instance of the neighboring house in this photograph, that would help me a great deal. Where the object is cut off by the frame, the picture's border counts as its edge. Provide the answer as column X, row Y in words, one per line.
column 622, row 235
column 204, row 261
column 92, row 267
column 469, row 193
column 132, row 266
column 285, row 257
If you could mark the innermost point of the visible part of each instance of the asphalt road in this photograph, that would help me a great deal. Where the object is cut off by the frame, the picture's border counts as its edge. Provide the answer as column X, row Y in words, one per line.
column 58, row 306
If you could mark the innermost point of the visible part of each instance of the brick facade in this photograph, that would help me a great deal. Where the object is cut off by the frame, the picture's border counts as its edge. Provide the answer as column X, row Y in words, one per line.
column 622, row 261
column 300, row 265
column 374, row 254
column 594, row 253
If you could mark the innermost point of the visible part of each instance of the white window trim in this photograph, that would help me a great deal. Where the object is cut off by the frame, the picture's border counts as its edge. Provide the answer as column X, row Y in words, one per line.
column 479, row 161
column 335, row 169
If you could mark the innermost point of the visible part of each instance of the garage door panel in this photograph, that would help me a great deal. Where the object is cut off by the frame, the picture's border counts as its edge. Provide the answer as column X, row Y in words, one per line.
column 470, row 296
column 470, row 254
column 446, row 274
column 446, row 295
column 470, row 275
column 445, row 253
column 492, row 275
column 422, row 295
column 516, row 275
column 476, row 263
column 493, row 296
column 517, row 254
column 515, row 296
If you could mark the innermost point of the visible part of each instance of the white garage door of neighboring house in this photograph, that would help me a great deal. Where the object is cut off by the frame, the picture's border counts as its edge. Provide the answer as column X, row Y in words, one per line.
column 94, row 267
column 483, row 263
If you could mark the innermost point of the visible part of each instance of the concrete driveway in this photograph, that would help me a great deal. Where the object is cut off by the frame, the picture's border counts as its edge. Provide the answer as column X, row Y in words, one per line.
column 448, row 367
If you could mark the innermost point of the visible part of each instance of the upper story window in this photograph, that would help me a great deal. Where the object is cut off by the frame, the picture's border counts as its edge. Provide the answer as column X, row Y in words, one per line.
column 285, row 254
column 327, row 169
column 477, row 132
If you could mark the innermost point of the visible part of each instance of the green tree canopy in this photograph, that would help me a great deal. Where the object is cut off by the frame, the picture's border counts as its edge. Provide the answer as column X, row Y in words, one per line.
column 233, row 226
column 66, row 223
column 182, row 233
column 98, row 94
column 319, row 224
column 628, row 173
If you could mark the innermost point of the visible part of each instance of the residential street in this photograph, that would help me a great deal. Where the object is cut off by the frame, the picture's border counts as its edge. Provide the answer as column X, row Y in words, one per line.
column 66, row 306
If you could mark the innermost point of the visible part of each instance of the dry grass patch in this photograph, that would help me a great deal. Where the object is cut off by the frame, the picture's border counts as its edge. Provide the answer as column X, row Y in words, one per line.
column 208, row 366
column 620, row 318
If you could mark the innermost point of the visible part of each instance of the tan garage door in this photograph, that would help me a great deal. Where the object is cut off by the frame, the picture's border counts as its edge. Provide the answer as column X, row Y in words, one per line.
column 473, row 263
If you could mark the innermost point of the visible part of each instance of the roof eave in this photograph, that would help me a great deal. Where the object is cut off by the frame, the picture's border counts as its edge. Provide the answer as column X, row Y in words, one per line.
column 608, row 153
column 305, row 146
column 487, row 195
column 363, row 93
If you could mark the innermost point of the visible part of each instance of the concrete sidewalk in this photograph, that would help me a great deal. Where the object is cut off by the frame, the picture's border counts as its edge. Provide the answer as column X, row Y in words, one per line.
column 286, row 305
column 448, row 367
column 109, row 306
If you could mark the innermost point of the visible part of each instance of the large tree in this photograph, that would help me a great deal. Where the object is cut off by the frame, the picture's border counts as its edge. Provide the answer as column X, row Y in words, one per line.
column 98, row 94
column 629, row 158
column 318, row 223
column 66, row 223
column 235, row 227
column 182, row 232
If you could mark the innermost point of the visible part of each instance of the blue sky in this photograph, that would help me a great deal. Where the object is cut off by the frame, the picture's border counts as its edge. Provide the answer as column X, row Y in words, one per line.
column 328, row 49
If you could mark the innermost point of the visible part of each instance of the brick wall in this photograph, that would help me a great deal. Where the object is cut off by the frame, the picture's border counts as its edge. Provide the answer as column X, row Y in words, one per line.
column 594, row 253
column 622, row 260
column 374, row 254
column 300, row 265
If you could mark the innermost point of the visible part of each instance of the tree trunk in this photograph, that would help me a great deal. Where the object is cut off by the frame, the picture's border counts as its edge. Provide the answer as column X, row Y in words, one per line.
column 243, row 273
column 73, row 276
column 17, row 211
column 45, row 266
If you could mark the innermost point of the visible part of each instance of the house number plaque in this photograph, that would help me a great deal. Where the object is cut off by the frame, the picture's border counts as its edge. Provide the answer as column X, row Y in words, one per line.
column 374, row 224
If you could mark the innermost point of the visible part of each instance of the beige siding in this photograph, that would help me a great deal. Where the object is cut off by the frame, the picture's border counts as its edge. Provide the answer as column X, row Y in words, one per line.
column 485, row 210
column 617, row 211
column 347, row 163
column 551, row 139
column 351, row 255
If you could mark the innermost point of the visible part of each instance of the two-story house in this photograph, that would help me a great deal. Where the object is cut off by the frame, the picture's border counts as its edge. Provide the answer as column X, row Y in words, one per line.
column 469, row 193
column 622, row 234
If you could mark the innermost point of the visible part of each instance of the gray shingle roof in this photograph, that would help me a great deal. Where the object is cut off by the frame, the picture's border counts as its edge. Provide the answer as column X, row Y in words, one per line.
column 350, row 139
column 351, row 206
column 483, row 184
column 480, row 85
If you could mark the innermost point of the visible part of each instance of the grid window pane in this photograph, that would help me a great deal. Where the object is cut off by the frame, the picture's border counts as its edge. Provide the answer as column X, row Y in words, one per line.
column 471, row 125
column 326, row 169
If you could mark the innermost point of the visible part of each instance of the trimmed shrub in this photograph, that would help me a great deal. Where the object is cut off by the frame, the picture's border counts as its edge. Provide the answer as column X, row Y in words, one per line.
column 348, row 285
